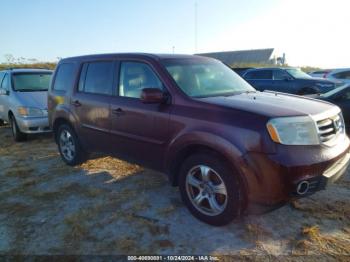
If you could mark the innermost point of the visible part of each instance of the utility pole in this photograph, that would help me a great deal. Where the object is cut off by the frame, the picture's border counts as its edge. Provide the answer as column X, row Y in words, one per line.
column 195, row 27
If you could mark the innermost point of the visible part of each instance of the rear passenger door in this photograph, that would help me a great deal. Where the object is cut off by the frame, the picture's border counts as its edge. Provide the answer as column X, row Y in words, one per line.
column 260, row 79
column 91, row 104
column 140, row 131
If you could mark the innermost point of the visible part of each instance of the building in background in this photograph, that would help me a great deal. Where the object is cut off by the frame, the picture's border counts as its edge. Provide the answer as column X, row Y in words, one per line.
column 244, row 57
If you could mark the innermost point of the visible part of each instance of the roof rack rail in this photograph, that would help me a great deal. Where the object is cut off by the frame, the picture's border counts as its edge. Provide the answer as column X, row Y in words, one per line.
column 12, row 68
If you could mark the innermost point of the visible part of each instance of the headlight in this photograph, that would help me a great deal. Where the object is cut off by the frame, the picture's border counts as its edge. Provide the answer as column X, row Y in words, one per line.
column 31, row 112
column 299, row 130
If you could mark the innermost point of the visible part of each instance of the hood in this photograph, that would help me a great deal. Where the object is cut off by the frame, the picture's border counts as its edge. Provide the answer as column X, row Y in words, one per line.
column 271, row 104
column 318, row 80
column 36, row 99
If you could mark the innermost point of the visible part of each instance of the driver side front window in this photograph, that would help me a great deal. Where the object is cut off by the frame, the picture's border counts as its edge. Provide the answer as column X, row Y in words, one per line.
column 135, row 76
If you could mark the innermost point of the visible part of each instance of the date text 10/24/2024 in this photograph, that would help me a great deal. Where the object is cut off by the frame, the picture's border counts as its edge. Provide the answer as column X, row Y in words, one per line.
column 173, row 258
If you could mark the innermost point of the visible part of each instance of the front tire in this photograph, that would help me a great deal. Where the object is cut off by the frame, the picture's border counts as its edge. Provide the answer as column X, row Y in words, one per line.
column 18, row 136
column 210, row 189
column 69, row 146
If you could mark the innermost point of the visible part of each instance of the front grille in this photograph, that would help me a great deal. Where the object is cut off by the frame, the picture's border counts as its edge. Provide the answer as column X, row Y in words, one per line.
column 329, row 128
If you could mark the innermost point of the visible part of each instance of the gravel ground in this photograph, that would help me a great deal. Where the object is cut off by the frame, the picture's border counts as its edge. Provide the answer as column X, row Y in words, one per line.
column 110, row 207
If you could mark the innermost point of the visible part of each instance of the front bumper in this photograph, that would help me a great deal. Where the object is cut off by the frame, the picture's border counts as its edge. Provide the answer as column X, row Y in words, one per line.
column 33, row 125
column 274, row 179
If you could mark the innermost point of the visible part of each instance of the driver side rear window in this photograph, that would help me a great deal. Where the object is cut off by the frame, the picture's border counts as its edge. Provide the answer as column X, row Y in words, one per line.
column 97, row 78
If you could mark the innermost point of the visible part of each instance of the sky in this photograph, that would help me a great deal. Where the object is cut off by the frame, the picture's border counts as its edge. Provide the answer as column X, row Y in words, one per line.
column 309, row 32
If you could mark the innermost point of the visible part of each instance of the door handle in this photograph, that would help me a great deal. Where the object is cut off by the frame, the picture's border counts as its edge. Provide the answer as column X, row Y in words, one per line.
column 76, row 103
column 118, row 111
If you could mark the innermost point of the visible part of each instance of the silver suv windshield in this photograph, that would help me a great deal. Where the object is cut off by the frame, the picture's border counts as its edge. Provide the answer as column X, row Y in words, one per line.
column 205, row 78
column 31, row 82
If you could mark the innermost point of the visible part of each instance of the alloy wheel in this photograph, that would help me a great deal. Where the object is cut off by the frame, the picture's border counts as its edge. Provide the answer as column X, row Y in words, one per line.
column 206, row 190
column 67, row 145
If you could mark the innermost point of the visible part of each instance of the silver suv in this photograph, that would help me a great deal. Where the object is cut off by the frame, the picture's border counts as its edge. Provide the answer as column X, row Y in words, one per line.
column 23, row 101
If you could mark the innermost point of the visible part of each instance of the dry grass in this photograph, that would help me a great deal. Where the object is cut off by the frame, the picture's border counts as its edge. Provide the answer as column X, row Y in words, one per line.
column 166, row 211
column 126, row 245
column 19, row 171
column 256, row 233
column 18, row 209
column 77, row 228
column 336, row 210
column 115, row 167
column 164, row 243
column 66, row 191
column 313, row 242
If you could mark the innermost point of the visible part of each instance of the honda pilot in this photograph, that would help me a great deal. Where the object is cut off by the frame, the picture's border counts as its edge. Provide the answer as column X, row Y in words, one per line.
column 232, row 150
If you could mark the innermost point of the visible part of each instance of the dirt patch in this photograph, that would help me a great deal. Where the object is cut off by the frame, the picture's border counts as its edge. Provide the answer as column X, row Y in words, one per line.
column 107, row 206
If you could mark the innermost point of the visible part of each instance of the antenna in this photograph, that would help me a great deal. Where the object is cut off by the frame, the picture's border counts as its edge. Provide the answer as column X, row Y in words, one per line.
column 195, row 27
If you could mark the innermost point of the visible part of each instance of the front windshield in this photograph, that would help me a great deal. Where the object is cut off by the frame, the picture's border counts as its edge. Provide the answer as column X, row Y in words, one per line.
column 297, row 73
column 30, row 82
column 205, row 78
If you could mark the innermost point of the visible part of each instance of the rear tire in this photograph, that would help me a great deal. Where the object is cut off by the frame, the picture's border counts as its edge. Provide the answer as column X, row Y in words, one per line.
column 18, row 136
column 214, row 198
column 69, row 146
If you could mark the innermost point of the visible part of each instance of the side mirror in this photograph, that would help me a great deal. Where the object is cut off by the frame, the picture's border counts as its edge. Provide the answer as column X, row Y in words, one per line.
column 288, row 78
column 4, row 92
column 153, row 96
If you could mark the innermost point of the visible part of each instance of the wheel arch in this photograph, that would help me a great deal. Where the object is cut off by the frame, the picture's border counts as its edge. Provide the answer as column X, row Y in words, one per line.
column 197, row 142
column 60, row 121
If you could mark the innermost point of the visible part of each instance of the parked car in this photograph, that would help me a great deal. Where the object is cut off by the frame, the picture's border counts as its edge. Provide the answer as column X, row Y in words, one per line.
column 229, row 148
column 320, row 73
column 341, row 75
column 287, row 80
column 340, row 97
column 23, row 101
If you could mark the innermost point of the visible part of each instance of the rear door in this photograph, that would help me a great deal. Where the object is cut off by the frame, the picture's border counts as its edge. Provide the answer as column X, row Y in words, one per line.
column 140, row 131
column 90, row 103
column 260, row 79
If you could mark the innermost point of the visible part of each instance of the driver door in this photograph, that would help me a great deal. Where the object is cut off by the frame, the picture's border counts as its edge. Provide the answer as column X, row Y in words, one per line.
column 283, row 82
column 140, row 131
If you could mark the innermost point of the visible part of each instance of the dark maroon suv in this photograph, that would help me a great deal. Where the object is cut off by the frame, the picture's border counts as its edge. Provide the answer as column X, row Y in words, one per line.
column 230, row 149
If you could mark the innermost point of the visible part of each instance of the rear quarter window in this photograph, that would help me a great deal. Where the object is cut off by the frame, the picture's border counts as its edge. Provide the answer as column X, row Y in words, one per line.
column 64, row 78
